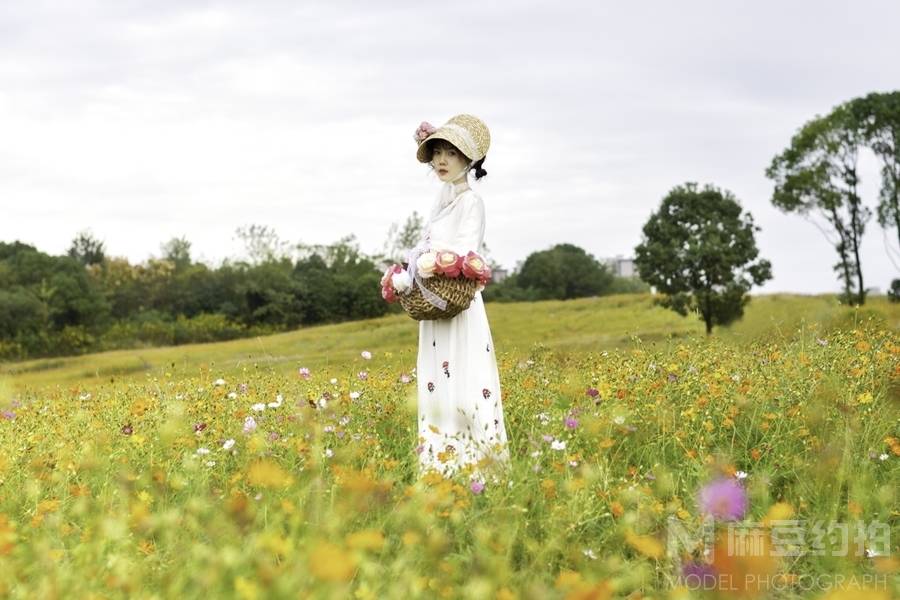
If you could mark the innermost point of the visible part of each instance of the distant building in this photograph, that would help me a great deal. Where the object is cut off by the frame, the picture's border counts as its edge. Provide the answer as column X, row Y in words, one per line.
column 621, row 266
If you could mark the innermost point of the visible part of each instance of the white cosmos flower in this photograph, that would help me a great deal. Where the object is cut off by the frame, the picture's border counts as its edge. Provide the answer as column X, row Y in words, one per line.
column 619, row 420
column 229, row 443
column 329, row 452
column 232, row 395
column 354, row 395
column 558, row 445
column 365, row 353
column 258, row 407
column 334, row 381
column 590, row 554
column 741, row 475
column 219, row 381
column 883, row 457
column 278, row 400
column 202, row 450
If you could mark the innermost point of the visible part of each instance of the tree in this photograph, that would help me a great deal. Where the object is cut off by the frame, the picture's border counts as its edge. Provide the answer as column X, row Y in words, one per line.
column 818, row 173
column 262, row 244
column 564, row 271
column 400, row 240
column 178, row 251
column 86, row 249
column 878, row 118
column 697, row 250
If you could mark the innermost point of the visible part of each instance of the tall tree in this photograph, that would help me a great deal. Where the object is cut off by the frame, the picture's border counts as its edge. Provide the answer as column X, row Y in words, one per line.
column 877, row 115
column 262, row 244
column 818, row 173
column 87, row 249
column 177, row 250
column 697, row 250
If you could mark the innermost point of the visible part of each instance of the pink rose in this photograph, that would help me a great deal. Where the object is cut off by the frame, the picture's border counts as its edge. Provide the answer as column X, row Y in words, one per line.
column 424, row 130
column 448, row 262
column 387, row 293
column 474, row 267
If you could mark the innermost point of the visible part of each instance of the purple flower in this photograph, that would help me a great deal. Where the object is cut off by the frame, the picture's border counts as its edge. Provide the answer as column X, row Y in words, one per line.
column 698, row 576
column 244, row 387
column 362, row 375
column 571, row 422
column 198, row 427
column 304, row 372
column 672, row 377
column 477, row 487
column 249, row 425
column 8, row 414
column 127, row 429
column 593, row 392
column 547, row 438
column 724, row 499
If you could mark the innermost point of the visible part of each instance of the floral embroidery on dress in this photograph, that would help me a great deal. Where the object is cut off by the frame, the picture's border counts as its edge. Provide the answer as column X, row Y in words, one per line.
column 446, row 366
column 486, row 393
column 488, row 348
column 430, row 387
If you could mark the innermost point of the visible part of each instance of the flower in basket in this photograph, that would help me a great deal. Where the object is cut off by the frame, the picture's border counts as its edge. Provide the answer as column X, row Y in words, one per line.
column 385, row 280
column 387, row 292
column 401, row 281
column 426, row 264
column 448, row 263
column 474, row 267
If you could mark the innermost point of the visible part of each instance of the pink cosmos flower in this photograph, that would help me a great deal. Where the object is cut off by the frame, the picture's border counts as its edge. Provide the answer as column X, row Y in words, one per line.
column 477, row 487
column 724, row 499
column 571, row 422
column 304, row 372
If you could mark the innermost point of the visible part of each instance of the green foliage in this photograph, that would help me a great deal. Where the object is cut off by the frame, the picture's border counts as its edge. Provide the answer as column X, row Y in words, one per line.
column 87, row 249
column 698, row 251
column 563, row 272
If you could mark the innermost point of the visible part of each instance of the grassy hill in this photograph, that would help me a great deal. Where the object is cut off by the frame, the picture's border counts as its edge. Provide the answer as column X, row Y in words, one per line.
column 604, row 323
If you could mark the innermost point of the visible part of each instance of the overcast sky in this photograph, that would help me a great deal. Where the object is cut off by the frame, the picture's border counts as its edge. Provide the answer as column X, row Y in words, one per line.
column 143, row 121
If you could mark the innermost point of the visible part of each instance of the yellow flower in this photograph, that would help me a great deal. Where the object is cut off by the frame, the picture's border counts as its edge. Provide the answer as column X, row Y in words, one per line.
column 645, row 544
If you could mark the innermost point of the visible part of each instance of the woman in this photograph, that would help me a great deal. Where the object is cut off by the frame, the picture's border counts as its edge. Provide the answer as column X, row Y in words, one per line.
column 459, row 401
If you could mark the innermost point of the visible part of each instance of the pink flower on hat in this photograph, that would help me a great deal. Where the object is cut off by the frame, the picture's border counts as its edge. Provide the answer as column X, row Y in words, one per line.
column 424, row 130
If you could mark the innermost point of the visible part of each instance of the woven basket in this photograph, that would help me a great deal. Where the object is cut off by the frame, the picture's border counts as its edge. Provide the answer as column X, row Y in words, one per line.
column 458, row 292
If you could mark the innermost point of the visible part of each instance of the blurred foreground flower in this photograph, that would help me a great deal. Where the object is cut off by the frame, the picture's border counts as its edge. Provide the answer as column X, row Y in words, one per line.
column 724, row 499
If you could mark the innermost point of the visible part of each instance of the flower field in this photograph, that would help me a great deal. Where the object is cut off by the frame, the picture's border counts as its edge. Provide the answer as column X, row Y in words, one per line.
column 299, row 479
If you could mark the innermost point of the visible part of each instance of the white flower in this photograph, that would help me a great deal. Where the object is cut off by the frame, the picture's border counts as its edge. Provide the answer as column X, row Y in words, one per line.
column 328, row 428
column 536, row 453
column 322, row 402
column 333, row 381
column 278, row 400
column 573, row 463
column 249, row 425
column 344, row 420
column 883, row 457
column 202, row 450
column 871, row 553
column 589, row 553
column 85, row 396
column 558, row 445
column 365, row 353
column 219, row 381
column 329, row 452
column 210, row 463
column 354, row 395
column 179, row 397
column 258, row 407
column 741, row 475
column 232, row 395
column 619, row 420
column 402, row 281
column 426, row 264
column 229, row 443
column 544, row 417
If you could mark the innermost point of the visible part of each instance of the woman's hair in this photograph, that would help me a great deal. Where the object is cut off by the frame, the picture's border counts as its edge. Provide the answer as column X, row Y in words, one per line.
column 477, row 168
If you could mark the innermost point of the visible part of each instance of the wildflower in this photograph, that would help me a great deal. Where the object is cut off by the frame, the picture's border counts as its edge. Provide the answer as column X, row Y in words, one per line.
column 571, row 422
column 724, row 498
column 363, row 375
column 278, row 400
column 273, row 436
column 544, row 417
column 547, row 438
column 558, row 445
column 8, row 414
column 328, row 428
column 210, row 463
column 619, row 420
column 821, row 342
column 344, row 420
column 228, row 445
column 477, row 487
column 333, row 381
column 219, row 381
column 127, row 429
column 536, row 453
column 85, row 396
column 322, row 402
column 740, row 475
column 243, row 387
column 404, row 378
column 258, row 407
column 882, row 457
column 249, row 425
column 232, row 395
column 304, row 372
column 589, row 553
column 366, row 354
column 329, row 452
column 202, row 450
column 354, row 395
column 593, row 392
column 198, row 427
column 573, row 463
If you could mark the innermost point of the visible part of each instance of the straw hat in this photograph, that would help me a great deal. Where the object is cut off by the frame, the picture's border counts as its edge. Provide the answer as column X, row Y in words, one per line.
column 466, row 132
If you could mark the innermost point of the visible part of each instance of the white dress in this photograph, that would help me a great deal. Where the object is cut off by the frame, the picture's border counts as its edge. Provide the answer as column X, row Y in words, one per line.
column 460, row 412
